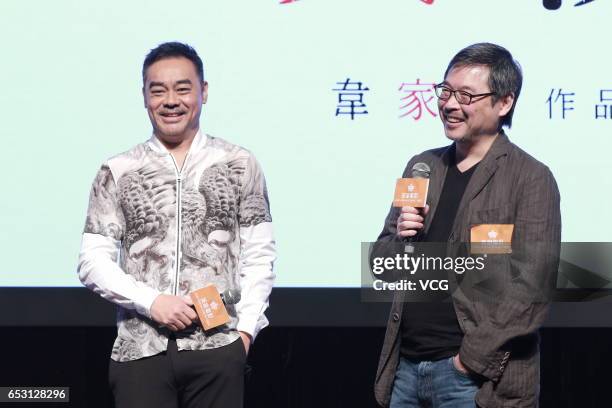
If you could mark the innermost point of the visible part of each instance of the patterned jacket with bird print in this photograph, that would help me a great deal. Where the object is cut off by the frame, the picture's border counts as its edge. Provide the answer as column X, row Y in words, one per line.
column 153, row 228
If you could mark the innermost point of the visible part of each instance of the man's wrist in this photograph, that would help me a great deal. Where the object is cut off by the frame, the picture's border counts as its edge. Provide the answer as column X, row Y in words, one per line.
column 245, row 334
column 460, row 366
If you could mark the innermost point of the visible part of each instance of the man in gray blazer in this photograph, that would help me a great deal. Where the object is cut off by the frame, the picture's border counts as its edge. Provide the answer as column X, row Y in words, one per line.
column 481, row 346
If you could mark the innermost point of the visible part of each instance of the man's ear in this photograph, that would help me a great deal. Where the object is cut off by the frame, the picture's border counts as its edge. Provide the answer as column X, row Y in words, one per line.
column 204, row 92
column 506, row 104
column 144, row 97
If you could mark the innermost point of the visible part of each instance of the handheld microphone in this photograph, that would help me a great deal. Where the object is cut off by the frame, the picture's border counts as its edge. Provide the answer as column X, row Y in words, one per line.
column 419, row 170
column 230, row 296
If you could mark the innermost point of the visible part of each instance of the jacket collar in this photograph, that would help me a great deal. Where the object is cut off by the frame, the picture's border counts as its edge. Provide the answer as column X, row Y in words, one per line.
column 486, row 168
column 499, row 148
column 198, row 143
column 483, row 173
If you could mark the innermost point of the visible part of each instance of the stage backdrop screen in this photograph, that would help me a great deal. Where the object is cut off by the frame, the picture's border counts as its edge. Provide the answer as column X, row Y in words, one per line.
column 332, row 97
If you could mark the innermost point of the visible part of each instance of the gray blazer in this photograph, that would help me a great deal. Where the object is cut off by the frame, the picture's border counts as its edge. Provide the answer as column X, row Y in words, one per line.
column 500, row 322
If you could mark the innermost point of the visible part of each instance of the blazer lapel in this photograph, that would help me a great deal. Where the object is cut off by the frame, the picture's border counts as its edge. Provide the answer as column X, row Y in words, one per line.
column 482, row 175
column 437, row 176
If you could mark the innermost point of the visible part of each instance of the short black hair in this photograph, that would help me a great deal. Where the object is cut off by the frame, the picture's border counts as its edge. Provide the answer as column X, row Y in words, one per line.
column 172, row 50
column 505, row 75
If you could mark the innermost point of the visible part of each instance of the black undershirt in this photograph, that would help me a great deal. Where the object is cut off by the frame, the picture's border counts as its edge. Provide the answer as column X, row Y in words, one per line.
column 430, row 330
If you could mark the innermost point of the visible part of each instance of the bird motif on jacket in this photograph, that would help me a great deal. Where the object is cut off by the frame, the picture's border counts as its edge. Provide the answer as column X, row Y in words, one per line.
column 147, row 198
column 209, row 217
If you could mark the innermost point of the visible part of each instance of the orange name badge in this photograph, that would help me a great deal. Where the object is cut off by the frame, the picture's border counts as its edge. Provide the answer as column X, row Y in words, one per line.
column 210, row 307
column 411, row 192
column 491, row 238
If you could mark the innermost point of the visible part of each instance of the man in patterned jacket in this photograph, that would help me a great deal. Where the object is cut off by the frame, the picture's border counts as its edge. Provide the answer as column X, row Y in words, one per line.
column 180, row 211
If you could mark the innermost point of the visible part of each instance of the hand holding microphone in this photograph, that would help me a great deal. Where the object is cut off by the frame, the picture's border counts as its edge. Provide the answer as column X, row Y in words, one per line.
column 410, row 221
column 173, row 312
column 177, row 312
column 411, row 196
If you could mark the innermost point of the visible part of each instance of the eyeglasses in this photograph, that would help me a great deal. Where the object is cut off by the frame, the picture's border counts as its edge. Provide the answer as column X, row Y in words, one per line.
column 464, row 98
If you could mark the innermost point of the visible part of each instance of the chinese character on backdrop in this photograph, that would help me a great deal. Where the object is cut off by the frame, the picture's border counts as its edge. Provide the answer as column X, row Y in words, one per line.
column 562, row 100
column 556, row 4
column 350, row 98
column 603, row 111
column 415, row 97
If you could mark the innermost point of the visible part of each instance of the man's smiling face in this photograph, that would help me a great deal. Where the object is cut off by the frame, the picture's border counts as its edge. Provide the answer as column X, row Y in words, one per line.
column 174, row 95
column 481, row 117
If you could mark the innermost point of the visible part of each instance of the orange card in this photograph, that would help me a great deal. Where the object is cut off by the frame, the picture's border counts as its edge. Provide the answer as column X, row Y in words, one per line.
column 210, row 307
column 411, row 192
column 491, row 238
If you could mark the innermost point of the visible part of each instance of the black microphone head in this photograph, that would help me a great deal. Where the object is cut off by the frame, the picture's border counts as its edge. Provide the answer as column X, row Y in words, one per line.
column 230, row 296
column 551, row 4
column 420, row 170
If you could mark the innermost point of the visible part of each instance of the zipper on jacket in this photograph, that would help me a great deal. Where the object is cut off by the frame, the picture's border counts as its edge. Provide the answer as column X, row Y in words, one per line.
column 179, row 223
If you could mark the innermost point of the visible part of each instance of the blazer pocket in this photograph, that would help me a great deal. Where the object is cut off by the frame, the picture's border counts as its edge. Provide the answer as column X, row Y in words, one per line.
column 498, row 215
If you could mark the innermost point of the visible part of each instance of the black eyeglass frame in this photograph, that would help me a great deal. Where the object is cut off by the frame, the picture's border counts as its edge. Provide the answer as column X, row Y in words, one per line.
column 438, row 88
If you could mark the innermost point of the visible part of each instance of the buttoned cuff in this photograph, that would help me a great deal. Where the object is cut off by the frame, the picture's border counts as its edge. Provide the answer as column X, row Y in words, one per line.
column 492, row 368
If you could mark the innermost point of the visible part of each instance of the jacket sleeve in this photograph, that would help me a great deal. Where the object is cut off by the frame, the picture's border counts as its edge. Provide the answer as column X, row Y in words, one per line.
column 257, row 251
column 100, row 249
column 532, row 267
